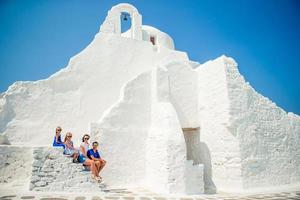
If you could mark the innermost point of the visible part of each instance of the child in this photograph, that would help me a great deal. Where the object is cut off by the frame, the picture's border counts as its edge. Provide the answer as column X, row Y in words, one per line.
column 94, row 155
column 69, row 147
column 84, row 147
column 57, row 138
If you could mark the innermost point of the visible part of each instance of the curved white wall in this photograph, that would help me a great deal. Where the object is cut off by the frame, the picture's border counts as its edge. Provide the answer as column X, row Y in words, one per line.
column 162, row 39
column 112, row 23
column 30, row 111
column 143, row 130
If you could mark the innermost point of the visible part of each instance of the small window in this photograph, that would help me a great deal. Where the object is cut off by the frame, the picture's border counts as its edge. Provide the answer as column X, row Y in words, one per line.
column 152, row 40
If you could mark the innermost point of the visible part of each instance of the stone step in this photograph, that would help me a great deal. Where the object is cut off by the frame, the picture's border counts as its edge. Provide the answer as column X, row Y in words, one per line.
column 53, row 171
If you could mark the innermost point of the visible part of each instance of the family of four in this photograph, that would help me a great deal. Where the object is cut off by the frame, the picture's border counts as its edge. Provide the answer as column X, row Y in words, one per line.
column 89, row 157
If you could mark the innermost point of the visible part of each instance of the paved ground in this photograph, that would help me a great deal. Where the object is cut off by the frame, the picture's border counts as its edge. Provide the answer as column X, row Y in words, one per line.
column 140, row 194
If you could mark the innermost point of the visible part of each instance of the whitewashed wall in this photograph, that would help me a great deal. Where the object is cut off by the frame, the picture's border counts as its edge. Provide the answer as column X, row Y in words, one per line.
column 145, row 118
column 252, row 143
column 269, row 137
column 184, row 93
column 122, row 134
column 243, row 139
column 112, row 22
column 79, row 93
column 222, row 146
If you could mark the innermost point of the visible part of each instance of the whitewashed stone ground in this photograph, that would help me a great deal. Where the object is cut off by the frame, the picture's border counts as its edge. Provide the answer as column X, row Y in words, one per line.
column 145, row 195
column 15, row 164
column 53, row 171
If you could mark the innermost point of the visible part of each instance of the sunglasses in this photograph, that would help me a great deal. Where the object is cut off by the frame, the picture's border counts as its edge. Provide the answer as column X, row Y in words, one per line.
column 58, row 130
column 86, row 138
column 69, row 136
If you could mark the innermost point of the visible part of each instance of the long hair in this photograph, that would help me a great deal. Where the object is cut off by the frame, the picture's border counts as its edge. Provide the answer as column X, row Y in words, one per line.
column 84, row 136
column 66, row 136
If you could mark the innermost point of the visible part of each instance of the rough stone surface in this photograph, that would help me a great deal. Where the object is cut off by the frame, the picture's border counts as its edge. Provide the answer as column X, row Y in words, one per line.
column 291, row 195
column 4, row 140
column 269, row 137
column 15, row 164
column 53, row 171
column 250, row 142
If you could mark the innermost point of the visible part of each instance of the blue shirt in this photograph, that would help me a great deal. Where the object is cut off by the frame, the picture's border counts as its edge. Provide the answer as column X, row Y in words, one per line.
column 92, row 153
column 58, row 143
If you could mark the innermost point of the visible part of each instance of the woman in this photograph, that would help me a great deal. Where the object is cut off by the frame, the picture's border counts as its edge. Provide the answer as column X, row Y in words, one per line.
column 69, row 147
column 84, row 147
column 57, row 138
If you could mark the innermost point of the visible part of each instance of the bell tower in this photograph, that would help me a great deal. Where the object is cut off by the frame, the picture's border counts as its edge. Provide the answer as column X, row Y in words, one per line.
column 112, row 23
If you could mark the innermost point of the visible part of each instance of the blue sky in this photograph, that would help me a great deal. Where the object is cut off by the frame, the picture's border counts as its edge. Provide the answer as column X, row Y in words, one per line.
column 38, row 37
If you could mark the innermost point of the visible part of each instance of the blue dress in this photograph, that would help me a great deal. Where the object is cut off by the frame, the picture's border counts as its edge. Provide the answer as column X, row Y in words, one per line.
column 58, row 143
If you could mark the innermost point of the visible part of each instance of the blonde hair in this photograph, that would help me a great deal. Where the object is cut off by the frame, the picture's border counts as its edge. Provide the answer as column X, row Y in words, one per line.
column 66, row 136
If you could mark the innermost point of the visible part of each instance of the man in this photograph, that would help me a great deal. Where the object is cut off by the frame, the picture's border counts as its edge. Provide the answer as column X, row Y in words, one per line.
column 94, row 155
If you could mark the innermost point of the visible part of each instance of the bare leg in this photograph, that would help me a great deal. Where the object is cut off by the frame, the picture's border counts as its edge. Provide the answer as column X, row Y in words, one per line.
column 98, row 165
column 103, row 162
column 75, row 156
column 91, row 163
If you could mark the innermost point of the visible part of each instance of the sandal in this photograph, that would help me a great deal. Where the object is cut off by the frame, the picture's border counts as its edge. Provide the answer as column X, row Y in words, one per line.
column 99, row 179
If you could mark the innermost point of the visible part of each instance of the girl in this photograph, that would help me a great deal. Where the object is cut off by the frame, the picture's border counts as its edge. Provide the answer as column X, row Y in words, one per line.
column 84, row 147
column 69, row 147
column 57, row 138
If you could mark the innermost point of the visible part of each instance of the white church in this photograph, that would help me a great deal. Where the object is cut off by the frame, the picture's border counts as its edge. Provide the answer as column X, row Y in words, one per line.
column 163, row 122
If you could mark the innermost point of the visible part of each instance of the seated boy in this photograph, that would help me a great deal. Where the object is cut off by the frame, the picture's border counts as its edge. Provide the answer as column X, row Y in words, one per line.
column 94, row 155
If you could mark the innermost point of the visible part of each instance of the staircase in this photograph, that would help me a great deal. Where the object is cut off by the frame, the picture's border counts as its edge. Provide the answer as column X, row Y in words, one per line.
column 53, row 171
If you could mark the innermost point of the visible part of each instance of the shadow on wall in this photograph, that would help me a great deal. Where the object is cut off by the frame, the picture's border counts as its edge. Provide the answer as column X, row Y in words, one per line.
column 209, row 186
column 200, row 154
column 6, row 115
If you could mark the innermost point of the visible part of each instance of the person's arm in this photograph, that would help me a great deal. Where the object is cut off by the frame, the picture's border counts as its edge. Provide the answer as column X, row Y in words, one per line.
column 69, row 146
column 56, row 138
column 72, row 146
column 95, row 159
column 82, row 149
